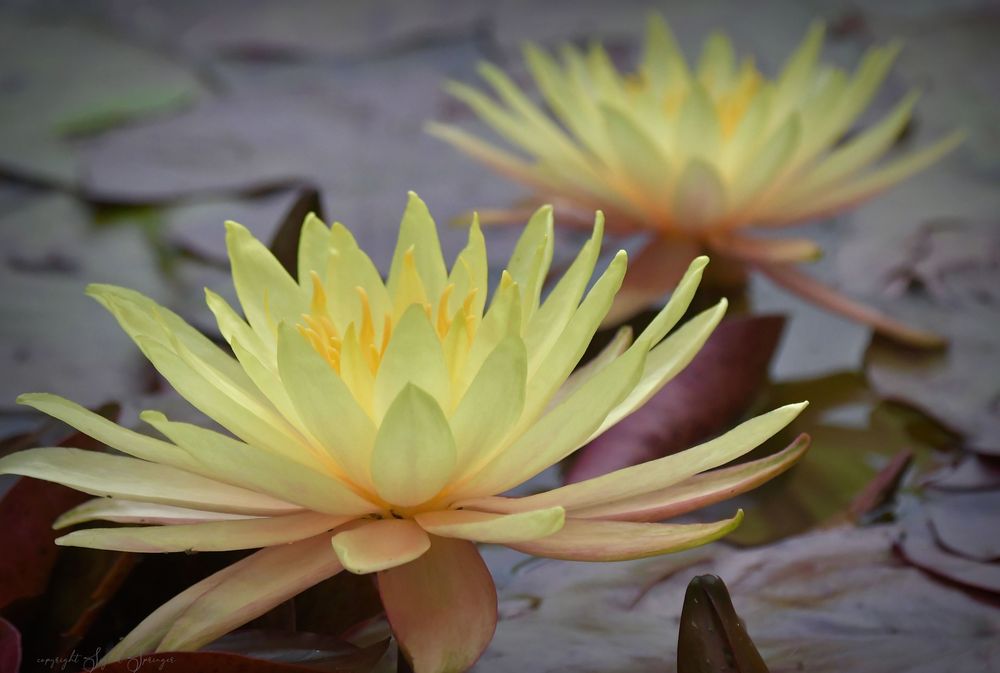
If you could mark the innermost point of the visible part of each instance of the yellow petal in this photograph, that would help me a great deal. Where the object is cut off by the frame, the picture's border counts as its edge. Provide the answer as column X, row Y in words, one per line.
column 380, row 545
column 529, row 263
column 419, row 232
column 493, row 528
column 561, row 431
column 470, row 273
column 120, row 477
column 660, row 473
column 94, row 425
column 587, row 540
column 314, row 249
column 414, row 355
column 550, row 319
column 699, row 491
column 266, row 291
column 699, row 197
column 573, row 340
column 142, row 318
column 498, row 390
column 326, row 405
column 237, row 463
column 210, row 536
column 125, row 511
column 666, row 360
column 414, row 455
column 250, row 418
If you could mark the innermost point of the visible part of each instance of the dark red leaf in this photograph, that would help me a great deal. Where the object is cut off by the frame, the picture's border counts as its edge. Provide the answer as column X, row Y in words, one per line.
column 315, row 650
column 285, row 244
column 202, row 662
column 26, row 516
column 710, row 394
column 712, row 638
column 10, row 647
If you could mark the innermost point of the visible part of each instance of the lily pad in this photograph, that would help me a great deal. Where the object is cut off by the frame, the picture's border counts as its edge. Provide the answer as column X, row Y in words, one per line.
column 853, row 438
column 828, row 602
column 54, row 338
column 62, row 80
column 931, row 249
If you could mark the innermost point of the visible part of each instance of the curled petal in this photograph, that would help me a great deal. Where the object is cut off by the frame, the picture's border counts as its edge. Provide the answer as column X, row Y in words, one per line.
column 379, row 545
column 700, row 490
column 592, row 540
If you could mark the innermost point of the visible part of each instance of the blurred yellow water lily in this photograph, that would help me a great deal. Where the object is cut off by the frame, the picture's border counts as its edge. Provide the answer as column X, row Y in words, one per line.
column 374, row 425
column 695, row 156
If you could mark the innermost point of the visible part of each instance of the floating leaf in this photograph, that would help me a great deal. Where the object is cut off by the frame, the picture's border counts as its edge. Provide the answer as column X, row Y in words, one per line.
column 828, row 602
column 66, row 79
column 285, row 243
column 966, row 524
column 919, row 546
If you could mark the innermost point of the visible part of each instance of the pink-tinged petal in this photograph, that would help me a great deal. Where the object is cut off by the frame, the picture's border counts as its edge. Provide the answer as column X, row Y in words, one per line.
column 231, row 597
column 211, row 536
column 766, row 250
column 126, row 511
column 593, row 540
column 812, row 290
column 700, row 490
column 379, row 545
column 493, row 528
column 652, row 273
column 442, row 607
column 131, row 479
column 654, row 475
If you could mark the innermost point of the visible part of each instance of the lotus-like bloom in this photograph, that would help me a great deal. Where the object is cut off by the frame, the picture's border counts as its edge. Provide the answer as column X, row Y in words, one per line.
column 374, row 425
column 695, row 157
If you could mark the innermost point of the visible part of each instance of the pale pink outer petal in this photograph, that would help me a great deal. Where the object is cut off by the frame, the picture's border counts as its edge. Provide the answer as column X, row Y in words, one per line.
column 493, row 528
column 209, row 536
column 750, row 249
column 378, row 545
column 807, row 287
column 700, row 490
column 596, row 540
column 231, row 597
column 442, row 607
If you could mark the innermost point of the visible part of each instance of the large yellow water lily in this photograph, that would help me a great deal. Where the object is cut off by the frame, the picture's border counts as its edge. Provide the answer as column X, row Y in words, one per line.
column 374, row 425
column 695, row 156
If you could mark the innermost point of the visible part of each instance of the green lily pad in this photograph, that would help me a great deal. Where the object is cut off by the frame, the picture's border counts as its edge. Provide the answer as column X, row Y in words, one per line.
column 63, row 80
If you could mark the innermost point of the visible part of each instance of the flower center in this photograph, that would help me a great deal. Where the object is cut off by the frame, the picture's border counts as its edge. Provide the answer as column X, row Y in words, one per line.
column 368, row 336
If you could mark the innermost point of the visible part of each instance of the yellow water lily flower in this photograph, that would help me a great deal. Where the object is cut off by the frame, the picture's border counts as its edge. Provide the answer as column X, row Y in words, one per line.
column 373, row 425
column 696, row 156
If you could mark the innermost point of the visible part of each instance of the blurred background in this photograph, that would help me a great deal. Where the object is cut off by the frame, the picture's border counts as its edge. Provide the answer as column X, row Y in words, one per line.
column 130, row 130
